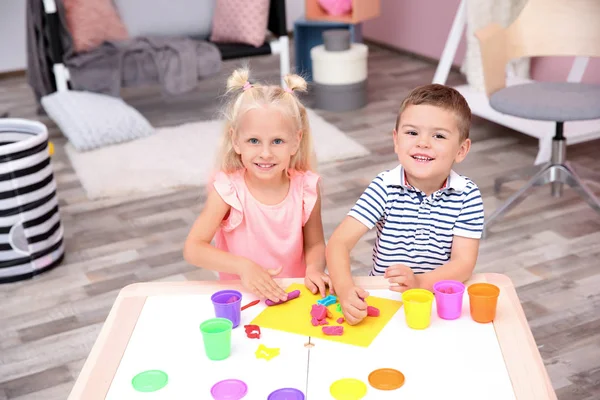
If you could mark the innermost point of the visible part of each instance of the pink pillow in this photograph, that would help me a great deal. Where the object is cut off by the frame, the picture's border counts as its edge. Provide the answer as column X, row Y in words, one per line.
column 336, row 7
column 240, row 21
column 92, row 22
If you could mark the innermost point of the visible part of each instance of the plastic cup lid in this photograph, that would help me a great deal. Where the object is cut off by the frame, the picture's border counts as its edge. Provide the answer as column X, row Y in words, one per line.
column 149, row 381
column 229, row 389
column 348, row 389
column 286, row 394
column 386, row 379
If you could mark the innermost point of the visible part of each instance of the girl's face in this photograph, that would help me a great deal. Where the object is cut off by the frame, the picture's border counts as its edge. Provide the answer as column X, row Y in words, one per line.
column 266, row 142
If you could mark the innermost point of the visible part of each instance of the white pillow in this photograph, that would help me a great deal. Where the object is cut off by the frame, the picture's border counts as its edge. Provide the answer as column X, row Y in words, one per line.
column 91, row 120
column 192, row 18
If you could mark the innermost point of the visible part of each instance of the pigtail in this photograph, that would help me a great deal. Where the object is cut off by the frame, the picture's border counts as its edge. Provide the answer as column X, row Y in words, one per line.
column 295, row 82
column 304, row 159
column 238, row 80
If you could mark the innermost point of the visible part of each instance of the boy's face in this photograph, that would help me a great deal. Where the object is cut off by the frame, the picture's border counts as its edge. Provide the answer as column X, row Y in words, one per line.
column 428, row 144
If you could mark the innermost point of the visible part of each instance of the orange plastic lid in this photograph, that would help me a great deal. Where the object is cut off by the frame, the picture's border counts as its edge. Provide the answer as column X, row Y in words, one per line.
column 386, row 379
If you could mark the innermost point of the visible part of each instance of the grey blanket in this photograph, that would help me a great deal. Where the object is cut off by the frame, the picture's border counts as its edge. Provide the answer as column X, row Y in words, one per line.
column 174, row 62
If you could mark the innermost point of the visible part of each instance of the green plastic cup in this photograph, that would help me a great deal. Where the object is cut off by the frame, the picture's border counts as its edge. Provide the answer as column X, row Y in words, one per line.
column 216, row 333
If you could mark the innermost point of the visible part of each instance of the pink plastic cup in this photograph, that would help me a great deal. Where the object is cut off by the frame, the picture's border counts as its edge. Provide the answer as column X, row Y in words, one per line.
column 449, row 298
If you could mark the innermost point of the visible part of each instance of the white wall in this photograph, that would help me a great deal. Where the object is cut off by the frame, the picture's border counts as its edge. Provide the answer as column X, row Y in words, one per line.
column 12, row 35
column 294, row 9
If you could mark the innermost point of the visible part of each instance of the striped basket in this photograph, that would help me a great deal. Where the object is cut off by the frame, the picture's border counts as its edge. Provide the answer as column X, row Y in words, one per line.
column 31, row 233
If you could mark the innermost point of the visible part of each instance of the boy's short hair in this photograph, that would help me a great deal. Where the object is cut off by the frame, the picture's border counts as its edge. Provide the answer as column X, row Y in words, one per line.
column 444, row 97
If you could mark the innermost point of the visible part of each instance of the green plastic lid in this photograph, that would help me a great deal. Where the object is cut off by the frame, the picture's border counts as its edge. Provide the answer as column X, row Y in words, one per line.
column 150, row 381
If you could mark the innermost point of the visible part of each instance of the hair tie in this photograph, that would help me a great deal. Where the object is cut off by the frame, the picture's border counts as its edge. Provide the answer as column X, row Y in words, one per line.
column 287, row 89
column 246, row 86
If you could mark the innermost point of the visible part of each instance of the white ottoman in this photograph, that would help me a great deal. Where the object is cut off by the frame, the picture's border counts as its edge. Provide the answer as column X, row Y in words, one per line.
column 340, row 77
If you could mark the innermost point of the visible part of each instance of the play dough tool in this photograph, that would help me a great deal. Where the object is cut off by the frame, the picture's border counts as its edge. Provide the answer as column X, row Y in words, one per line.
column 449, row 298
column 252, row 303
column 227, row 305
column 327, row 301
column 266, row 352
column 417, row 307
column 149, row 381
column 348, row 389
column 229, row 389
column 386, row 379
column 483, row 299
column 216, row 333
column 286, row 394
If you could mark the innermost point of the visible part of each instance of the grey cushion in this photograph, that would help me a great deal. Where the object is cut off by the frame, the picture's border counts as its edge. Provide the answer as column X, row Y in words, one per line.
column 191, row 18
column 93, row 120
column 549, row 101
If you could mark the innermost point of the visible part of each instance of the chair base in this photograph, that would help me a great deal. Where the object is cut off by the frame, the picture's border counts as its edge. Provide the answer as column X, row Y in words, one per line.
column 557, row 172
column 556, row 175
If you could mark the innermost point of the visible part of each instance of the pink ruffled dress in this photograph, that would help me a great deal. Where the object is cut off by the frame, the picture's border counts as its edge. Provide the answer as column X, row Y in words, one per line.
column 269, row 235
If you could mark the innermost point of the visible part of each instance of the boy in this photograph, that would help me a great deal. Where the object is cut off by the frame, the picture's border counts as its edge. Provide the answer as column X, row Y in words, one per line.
column 429, row 219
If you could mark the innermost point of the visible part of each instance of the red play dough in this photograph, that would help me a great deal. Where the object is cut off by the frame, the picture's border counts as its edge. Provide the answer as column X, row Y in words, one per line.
column 317, row 322
column 318, row 311
column 340, row 320
column 333, row 330
column 372, row 311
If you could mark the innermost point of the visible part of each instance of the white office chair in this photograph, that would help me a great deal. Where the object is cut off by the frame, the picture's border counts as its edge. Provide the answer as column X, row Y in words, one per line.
column 544, row 28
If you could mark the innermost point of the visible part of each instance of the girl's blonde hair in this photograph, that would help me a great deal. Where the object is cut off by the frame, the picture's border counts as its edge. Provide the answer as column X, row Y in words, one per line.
column 249, row 96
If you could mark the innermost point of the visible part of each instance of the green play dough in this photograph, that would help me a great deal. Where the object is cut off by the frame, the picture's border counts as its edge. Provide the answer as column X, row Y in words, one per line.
column 149, row 381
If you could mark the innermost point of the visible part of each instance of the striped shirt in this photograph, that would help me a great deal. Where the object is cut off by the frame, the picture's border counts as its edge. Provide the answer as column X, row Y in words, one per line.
column 415, row 229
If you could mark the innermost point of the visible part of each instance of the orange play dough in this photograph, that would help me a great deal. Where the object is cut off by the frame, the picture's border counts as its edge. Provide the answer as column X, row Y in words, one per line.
column 386, row 379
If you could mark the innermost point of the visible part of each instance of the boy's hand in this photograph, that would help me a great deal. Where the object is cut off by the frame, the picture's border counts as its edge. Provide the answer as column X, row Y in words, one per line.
column 260, row 282
column 317, row 281
column 353, row 305
column 401, row 278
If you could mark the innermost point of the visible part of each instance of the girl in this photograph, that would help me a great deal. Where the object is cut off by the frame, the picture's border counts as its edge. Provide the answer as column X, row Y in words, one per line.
column 265, row 210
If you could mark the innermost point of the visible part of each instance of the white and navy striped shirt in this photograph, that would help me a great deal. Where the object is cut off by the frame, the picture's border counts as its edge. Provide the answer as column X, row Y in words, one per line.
column 414, row 229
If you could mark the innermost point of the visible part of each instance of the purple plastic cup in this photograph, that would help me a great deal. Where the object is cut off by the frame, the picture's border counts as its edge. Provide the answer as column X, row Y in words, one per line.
column 449, row 298
column 227, row 304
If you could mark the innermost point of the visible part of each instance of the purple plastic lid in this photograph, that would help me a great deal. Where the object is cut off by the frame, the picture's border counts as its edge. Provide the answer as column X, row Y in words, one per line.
column 229, row 389
column 286, row 394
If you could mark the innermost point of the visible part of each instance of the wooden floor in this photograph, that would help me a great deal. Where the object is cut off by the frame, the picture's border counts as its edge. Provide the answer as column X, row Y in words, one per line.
column 549, row 247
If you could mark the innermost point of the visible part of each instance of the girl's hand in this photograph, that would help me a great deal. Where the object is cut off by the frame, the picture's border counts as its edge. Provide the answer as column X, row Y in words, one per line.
column 315, row 280
column 260, row 282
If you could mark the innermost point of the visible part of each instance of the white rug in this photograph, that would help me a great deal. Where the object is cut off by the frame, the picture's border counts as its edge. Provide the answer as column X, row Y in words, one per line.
column 181, row 156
